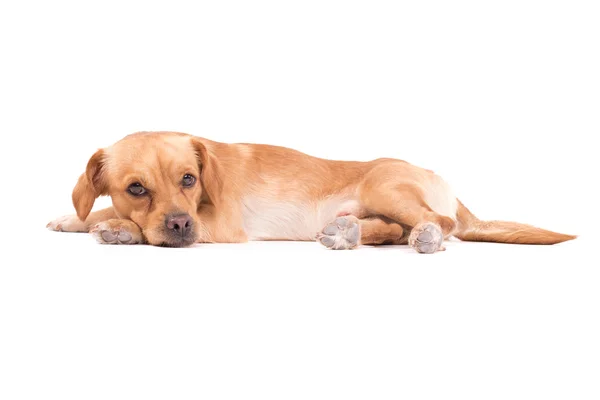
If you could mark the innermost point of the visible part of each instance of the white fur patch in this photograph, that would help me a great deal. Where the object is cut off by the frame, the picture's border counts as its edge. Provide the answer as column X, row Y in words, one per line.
column 67, row 223
column 441, row 199
column 265, row 219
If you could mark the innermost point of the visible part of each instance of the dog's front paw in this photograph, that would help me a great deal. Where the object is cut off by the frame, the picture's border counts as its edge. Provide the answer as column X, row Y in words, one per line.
column 117, row 231
column 341, row 234
column 67, row 223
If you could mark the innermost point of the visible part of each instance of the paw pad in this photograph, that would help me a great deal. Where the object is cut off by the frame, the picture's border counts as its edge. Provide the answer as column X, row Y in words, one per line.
column 426, row 238
column 341, row 234
column 106, row 234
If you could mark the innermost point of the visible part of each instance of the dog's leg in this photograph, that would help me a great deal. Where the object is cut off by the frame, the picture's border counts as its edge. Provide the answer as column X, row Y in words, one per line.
column 429, row 229
column 104, row 225
column 71, row 223
column 348, row 232
column 406, row 206
column 378, row 230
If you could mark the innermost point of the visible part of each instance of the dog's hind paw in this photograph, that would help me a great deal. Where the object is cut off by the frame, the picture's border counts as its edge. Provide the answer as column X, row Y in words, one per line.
column 117, row 231
column 341, row 234
column 426, row 238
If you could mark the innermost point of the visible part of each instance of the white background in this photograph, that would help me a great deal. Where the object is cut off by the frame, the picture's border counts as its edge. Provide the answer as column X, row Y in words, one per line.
column 500, row 98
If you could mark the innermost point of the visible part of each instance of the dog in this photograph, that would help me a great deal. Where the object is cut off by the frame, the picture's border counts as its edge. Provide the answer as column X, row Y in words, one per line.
column 174, row 189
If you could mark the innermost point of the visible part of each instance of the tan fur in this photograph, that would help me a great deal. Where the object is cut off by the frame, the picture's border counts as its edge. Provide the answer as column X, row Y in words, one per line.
column 262, row 192
column 474, row 230
column 376, row 231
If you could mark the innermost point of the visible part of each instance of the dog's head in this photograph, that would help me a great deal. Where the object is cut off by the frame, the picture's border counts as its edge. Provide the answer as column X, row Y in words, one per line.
column 155, row 179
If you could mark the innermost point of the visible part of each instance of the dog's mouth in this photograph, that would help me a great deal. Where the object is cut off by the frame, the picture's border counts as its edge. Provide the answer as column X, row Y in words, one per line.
column 168, row 239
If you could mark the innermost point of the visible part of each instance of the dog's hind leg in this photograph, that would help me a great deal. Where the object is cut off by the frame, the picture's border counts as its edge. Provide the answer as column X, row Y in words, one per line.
column 428, row 227
column 404, row 199
column 348, row 232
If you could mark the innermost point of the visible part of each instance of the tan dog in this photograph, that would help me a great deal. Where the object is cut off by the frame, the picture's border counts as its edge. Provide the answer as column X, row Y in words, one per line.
column 173, row 189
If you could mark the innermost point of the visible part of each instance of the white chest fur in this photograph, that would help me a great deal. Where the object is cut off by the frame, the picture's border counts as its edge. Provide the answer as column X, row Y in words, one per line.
column 265, row 219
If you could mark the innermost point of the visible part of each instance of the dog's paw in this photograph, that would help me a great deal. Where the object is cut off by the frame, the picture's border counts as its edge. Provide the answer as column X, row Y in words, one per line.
column 426, row 238
column 341, row 234
column 117, row 231
column 67, row 223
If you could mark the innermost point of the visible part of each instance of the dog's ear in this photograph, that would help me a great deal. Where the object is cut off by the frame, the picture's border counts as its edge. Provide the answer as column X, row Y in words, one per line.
column 210, row 172
column 91, row 184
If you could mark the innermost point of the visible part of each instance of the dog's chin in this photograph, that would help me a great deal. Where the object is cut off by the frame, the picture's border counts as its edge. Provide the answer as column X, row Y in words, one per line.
column 173, row 241
column 183, row 242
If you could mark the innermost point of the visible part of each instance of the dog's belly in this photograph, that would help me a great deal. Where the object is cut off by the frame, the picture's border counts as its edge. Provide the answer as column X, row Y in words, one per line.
column 266, row 219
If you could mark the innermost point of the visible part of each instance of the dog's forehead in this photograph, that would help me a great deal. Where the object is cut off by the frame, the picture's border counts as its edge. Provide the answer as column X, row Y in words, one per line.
column 152, row 152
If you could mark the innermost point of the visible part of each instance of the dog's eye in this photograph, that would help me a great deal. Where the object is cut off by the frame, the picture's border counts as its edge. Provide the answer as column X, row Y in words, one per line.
column 136, row 189
column 188, row 180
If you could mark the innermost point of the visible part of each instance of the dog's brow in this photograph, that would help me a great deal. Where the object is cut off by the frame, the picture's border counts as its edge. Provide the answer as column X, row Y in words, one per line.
column 140, row 177
column 182, row 170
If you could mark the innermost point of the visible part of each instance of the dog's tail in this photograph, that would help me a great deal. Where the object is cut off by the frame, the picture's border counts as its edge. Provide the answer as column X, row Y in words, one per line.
column 471, row 229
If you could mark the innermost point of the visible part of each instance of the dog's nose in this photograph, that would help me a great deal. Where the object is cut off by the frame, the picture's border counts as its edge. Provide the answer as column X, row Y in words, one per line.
column 180, row 224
